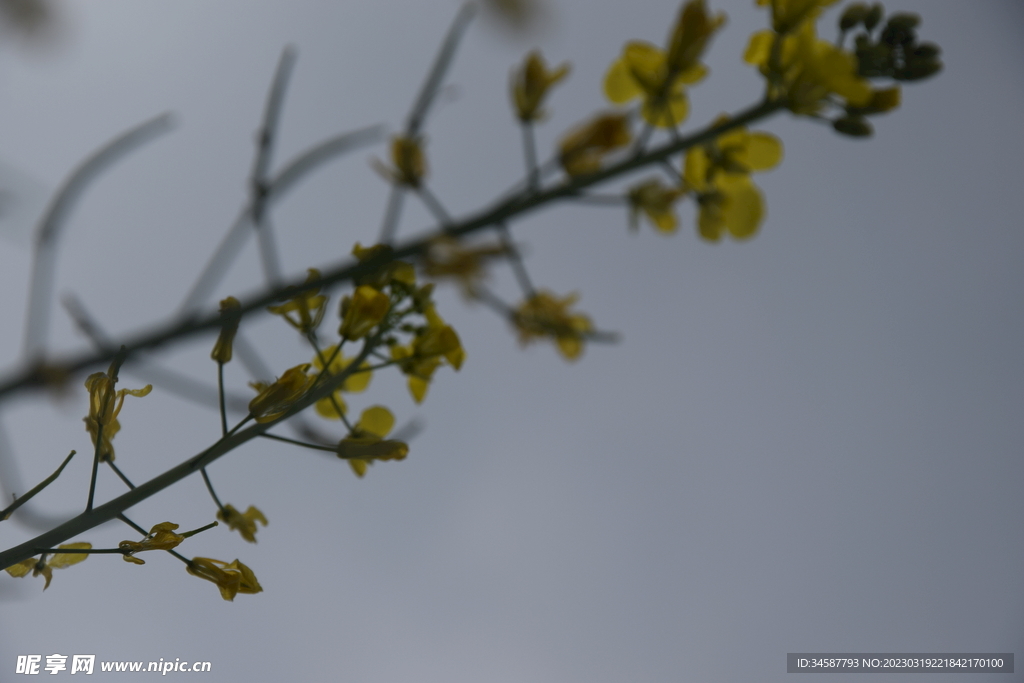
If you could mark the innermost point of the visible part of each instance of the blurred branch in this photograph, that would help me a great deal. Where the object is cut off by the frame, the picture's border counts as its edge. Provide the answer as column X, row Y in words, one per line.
column 53, row 220
column 45, row 374
column 293, row 171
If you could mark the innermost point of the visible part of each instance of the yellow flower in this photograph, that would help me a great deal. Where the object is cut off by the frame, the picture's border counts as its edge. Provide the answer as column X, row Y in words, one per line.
column 582, row 150
column 362, row 311
column 657, row 76
column 354, row 383
column 245, row 523
column 423, row 356
column 805, row 72
column 410, row 163
column 308, row 306
column 276, row 399
column 367, row 443
column 55, row 561
column 231, row 579
column 104, row 407
column 447, row 257
column 545, row 315
column 656, row 200
column 691, row 35
column 719, row 172
column 788, row 15
column 530, row 86
column 229, row 316
column 161, row 537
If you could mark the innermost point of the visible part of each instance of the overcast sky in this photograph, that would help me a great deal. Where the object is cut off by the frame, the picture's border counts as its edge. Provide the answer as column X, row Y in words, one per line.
column 808, row 442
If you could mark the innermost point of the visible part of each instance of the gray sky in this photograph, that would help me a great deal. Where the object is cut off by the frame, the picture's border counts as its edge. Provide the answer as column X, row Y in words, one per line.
column 806, row 442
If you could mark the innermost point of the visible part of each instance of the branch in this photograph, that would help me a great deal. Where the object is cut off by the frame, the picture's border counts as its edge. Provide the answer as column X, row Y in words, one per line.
column 43, row 374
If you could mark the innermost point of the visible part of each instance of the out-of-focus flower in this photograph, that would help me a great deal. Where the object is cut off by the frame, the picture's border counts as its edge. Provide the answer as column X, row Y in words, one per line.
column 229, row 317
column 789, row 15
column 657, row 75
column 274, row 400
column 231, row 578
column 583, row 148
column 367, row 442
column 530, row 85
column 418, row 360
column 305, row 309
column 719, row 173
column 161, row 537
column 447, row 257
column 104, row 407
column 243, row 523
column 409, row 162
column 354, row 383
column 691, row 35
column 657, row 201
column 55, row 561
column 362, row 311
column 546, row 315
column 806, row 72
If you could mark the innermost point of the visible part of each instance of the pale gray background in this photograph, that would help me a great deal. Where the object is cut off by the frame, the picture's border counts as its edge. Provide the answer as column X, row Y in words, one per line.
column 807, row 442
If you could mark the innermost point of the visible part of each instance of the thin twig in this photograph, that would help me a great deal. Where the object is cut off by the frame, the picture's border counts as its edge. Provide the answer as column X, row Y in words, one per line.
column 116, row 507
column 6, row 512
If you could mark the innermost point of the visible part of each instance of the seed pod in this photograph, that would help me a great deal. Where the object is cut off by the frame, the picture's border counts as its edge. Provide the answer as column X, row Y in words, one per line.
column 926, row 51
column 917, row 69
column 854, row 14
column 854, row 126
column 874, row 16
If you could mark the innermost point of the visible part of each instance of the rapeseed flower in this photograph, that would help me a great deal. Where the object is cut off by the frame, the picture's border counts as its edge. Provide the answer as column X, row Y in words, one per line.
column 410, row 163
column 277, row 398
column 305, row 309
column 806, row 72
column 362, row 311
column 530, row 85
column 358, row 381
column 584, row 147
column 231, row 578
column 432, row 343
column 244, row 523
column 659, row 76
column 55, row 561
column 546, row 315
column 657, row 201
column 366, row 443
column 104, row 407
column 719, row 173
column 160, row 537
